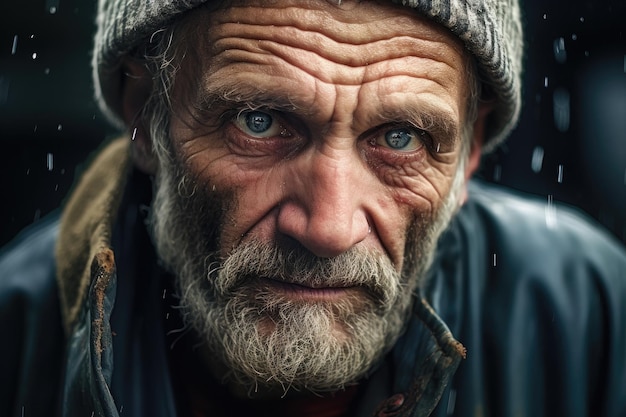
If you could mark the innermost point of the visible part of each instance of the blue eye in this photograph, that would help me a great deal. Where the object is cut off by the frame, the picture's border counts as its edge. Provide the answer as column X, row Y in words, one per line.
column 401, row 139
column 398, row 138
column 258, row 122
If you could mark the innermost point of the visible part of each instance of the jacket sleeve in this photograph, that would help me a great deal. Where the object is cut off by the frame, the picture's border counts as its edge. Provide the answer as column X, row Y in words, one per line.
column 31, row 347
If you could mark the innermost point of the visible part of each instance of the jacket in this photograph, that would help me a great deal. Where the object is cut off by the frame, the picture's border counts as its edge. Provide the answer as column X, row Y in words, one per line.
column 535, row 294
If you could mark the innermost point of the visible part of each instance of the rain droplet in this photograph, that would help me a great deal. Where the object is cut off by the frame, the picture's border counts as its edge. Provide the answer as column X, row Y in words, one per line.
column 134, row 134
column 560, row 54
column 56, row 187
column 536, row 163
column 53, row 9
column 494, row 259
column 60, row 127
column 35, row 129
column 46, row 71
column 438, row 147
column 582, row 19
column 14, row 47
column 50, row 161
column 561, row 109
column 586, row 53
column 574, row 36
column 451, row 402
column 550, row 212
column 34, row 55
column 559, row 178
column 545, row 82
column 32, row 36
column 545, row 16
column 497, row 172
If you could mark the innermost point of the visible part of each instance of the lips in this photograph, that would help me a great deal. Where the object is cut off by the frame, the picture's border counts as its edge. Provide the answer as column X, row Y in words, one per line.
column 304, row 292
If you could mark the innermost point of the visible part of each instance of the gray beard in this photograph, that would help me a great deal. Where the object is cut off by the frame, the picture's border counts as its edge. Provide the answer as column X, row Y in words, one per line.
column 267, row 342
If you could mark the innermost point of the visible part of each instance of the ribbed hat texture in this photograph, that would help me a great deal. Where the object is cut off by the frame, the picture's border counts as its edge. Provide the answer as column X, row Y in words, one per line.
column 490, row 29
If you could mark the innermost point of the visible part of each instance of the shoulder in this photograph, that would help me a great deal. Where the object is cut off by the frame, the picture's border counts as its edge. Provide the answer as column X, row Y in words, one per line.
column 534, row 234
column 32, row 346
column 27, row 262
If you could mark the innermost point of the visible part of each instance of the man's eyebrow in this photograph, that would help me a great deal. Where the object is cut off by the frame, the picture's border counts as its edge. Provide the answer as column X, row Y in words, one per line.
column 243, row 97
column 442, row 125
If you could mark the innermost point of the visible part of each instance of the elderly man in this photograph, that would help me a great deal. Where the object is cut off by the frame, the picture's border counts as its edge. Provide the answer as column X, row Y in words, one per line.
column 310, row 242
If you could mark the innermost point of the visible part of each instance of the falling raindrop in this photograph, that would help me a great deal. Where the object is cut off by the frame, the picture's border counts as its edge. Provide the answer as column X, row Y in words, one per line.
column 586, row 53
column 134, row 134
column 550, row 212
column 494, row 259
column 14, row 47
column 497, row 173
column 60, row 127
column 46, row 71
column 53, row 9
column 34, row 55
column 574, row 36
column 451, row 402
column 545, row 82
column 560, row 54
column 536, row 162
column 582, row 19
column 545, row 16
column 561, row 109
column 35, row 129
column 559, row 178
column 50, row 161
column 32, row 36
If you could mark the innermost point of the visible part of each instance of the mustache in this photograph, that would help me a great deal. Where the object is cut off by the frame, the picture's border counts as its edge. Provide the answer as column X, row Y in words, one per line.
column 293, row 264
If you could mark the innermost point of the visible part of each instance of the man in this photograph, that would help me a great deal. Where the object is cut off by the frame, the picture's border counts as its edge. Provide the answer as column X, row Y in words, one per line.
column 305, row 251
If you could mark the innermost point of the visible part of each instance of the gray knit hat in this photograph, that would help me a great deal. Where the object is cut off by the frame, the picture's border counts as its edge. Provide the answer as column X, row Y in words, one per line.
column 490, row 29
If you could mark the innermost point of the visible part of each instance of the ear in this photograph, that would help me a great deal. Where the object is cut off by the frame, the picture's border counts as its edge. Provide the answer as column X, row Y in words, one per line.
column 476, row 147
column 136, row 89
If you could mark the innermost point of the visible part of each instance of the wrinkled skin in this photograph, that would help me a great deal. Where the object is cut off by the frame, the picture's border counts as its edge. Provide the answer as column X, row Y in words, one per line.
column 339, row 77
column 335, row 126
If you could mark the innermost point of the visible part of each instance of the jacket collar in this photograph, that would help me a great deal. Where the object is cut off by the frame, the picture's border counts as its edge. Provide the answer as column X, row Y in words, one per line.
column 86, row 225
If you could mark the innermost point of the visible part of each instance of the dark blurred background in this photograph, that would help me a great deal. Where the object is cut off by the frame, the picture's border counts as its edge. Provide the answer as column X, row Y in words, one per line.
column 570, row 145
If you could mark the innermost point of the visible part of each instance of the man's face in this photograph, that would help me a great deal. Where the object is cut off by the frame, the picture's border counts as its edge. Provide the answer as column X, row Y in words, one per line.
column 315, row 148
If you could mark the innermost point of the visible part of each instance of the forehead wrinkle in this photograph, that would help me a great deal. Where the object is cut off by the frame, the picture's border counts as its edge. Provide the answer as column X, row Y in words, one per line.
column 344, row 26
column 351, row 53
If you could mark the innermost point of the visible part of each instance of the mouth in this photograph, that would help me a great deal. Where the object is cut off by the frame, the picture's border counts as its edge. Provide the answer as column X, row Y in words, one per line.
column 309, row 294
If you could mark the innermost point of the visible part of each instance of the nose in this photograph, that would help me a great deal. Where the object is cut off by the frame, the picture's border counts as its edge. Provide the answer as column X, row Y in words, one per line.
column 324, row 208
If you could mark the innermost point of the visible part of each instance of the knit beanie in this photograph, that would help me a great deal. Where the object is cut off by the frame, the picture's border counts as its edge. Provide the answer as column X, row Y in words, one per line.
column 490, row 29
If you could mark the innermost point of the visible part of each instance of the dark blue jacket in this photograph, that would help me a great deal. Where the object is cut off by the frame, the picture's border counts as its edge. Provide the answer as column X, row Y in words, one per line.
column 533, row 292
